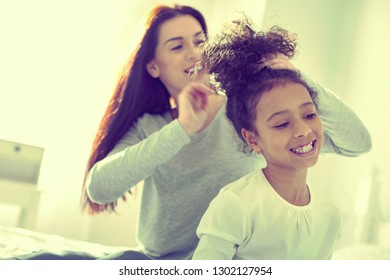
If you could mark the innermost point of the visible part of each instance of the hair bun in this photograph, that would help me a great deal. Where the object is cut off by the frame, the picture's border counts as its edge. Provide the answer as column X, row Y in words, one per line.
column 235, row 54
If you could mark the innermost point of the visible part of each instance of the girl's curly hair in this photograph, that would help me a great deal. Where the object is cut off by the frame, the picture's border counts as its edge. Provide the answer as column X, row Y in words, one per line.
column 234, row 57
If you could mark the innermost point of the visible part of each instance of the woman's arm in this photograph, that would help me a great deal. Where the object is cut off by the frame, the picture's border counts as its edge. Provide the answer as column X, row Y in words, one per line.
column 133, row 160
column 136, row 155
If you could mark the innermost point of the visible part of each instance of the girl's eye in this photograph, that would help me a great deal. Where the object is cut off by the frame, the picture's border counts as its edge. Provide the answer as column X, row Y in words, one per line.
column 311, row 116
column 282, row 125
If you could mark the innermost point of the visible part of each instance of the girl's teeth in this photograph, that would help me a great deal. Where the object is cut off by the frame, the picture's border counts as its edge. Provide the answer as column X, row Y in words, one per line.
column 304, row 149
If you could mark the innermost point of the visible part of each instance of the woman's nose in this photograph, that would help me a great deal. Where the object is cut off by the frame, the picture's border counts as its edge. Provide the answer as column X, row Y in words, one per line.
column 192, row 52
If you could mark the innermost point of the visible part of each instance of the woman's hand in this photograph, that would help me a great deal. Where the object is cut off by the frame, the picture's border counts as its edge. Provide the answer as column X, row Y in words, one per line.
column 195, row 107
column 278, row 61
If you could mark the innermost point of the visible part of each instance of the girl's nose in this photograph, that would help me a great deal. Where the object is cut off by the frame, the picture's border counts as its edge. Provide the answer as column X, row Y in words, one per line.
column 301, row 130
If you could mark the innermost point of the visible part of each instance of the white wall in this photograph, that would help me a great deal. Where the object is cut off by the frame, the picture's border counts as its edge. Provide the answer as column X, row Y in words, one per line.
column 368, row 91
column 59, row 61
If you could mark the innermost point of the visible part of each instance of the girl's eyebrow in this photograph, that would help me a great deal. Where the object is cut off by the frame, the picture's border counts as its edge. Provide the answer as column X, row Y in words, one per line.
column 181, row 37
column 309, row 103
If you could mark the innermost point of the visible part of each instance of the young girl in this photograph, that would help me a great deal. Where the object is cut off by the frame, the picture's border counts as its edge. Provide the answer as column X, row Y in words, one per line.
column 270, row 213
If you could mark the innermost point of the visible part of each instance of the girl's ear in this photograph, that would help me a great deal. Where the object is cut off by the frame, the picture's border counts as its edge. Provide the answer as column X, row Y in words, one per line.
column 251, row 139
column 152, row 69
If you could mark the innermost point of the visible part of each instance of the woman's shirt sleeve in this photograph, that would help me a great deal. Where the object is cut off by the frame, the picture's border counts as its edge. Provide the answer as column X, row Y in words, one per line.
column 132, row 160
column 345, row 133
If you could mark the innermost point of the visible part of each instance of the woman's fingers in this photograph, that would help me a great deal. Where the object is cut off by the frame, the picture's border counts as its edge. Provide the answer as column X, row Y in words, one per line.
column 193, row 102
column 278, row 61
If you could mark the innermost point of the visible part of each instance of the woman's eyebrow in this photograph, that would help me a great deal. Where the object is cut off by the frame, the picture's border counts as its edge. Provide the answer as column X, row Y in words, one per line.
column 173, row 39
column 199, row 33
column 181, row 37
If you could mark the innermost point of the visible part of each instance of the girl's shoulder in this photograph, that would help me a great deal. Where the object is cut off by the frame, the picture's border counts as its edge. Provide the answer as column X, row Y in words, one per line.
column 245, row 186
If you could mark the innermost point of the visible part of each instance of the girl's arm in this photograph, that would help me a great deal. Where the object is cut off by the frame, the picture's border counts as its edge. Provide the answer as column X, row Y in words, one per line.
column 345, row 133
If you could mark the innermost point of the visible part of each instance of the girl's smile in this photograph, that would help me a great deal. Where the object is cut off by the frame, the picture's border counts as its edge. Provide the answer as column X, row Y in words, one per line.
column 305, row 149
column 289, row 132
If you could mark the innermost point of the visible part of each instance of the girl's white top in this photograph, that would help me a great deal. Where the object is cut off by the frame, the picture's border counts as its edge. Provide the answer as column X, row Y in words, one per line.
column 249, row 220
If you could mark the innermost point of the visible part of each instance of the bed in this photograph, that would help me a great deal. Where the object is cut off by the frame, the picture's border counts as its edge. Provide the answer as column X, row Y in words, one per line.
column 15, row 241
column 19, row 173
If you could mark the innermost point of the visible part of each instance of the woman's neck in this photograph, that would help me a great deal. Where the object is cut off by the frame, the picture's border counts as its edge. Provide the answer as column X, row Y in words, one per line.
column 289, row 184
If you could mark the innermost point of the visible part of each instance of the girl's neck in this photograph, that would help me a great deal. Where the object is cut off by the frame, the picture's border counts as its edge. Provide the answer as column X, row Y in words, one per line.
column 289, row 184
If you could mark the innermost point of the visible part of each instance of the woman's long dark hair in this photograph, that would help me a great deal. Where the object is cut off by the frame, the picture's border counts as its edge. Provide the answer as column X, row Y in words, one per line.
column 136, row 93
